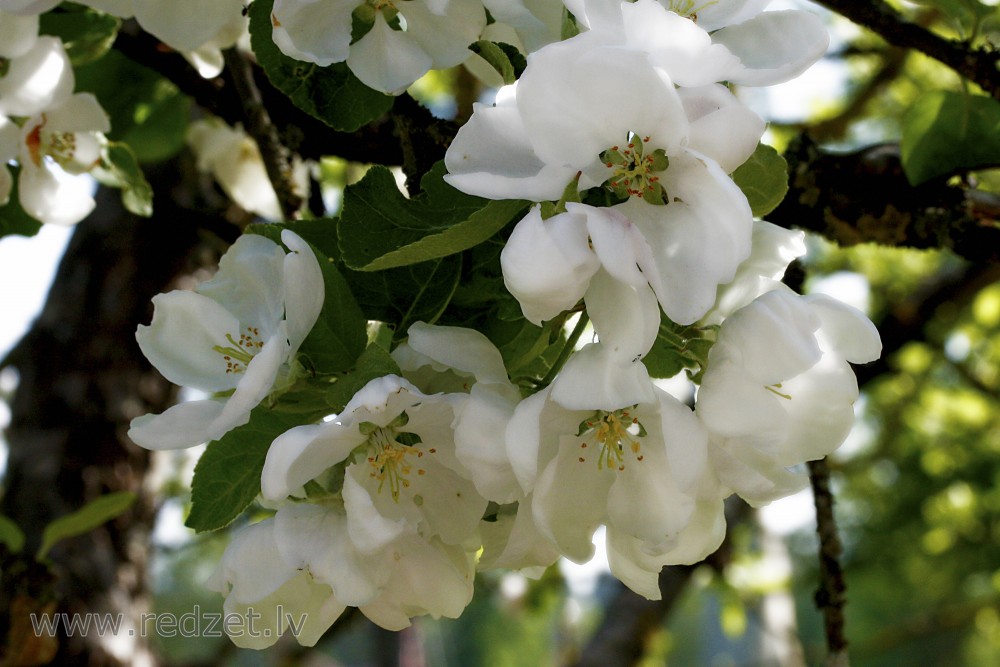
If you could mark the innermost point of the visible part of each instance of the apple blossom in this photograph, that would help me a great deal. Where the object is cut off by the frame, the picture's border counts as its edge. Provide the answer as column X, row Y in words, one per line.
column 779, row 391
column 235, row 336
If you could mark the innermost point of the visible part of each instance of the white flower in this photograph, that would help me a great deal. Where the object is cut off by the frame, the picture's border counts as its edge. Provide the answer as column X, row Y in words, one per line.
column 236, row 335
column 68, row 137
column 779, row 391
column 38, row 79
column 397, row 443
column 10, row 143
column 17, row 34
column 424, row 35
column 631, row 466
column 745, row 47
column 233, row 158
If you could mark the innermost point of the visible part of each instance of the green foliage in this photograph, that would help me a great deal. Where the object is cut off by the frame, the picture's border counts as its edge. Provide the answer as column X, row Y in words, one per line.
column 149, row 113
column 946, row 132
column 13, row 218
column 332, row 94
column 11, row 535
column 763, row 178
column 381, row 229
column 86, row 34
column 503, row 57
column 85, row 519
column 679, row 348
column 119, row 168
column 373, row 363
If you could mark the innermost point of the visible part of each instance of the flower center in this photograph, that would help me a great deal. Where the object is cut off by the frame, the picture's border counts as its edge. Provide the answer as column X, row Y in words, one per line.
column 240, row 352
column 389, row 454
column 616, row 433
column 688, row 8
column 774, row 390
column 635, row 171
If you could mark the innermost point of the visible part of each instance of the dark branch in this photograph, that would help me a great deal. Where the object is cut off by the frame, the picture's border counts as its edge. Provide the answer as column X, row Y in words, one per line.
column 978, row 65
column 864, row 197
column 830, row 596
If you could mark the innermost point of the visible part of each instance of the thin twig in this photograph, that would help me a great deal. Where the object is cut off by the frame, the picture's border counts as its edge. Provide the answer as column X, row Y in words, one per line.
column 831, row 594
column 566, row 351
column 259, row 126
column 977, row 65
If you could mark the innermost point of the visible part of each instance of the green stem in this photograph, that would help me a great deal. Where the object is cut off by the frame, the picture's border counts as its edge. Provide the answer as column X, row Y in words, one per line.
column 566, row 351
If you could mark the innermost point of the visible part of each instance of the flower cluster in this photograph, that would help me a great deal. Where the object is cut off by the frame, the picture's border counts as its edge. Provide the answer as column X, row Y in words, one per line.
column 626, row 139
column 48, row 130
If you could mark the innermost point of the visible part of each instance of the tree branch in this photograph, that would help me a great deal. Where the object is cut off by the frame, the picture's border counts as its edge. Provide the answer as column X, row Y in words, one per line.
column 830, row 596
column 864, row 197
column 978, row 65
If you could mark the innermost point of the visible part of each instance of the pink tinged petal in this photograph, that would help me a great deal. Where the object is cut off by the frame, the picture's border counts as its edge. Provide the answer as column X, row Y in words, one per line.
column 17, row 34
column 314, row 538
column 752, row 474
column 637, row 570
column 303, row 453
column 774, row 46
column 53, row 196
column 547, row 264
column 179, row 340
column 38, row 80
column 678, row 45
column 249, row 283
column 570, row 500
column 492, row 157
column 685, row 439
column 774, row 336
column 577, row 101
column 317, row 31
column 186, row 25
column 303, row 288
column 388, row 60
column 698, row 240
column 645, row 500
column 514, row 542
column 626, row 318
column 480, row 444
column 845, row 329
column 444, row 29
column 595, row 378
column 721, row 127
column 733, row 404
column 821, row 411
column 457, row 348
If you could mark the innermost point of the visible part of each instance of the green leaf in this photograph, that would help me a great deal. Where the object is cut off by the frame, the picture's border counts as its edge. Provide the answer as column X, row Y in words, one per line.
column 945, row 132
column 679, row 348
column 763, row 178
column 402, row 296
column 374, row 362
column 149, row 114
column 320, row 233
column 341, row 332
column 85, row 519
column 119, row 168
column 503, row 57
column 227, row 476
column 86, row 34
column 11, row 535
column 13, row 218
column 381, row 229
column 332, row 94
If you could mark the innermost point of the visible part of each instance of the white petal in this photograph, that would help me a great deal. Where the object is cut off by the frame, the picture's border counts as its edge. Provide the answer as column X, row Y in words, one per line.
column 317, row 31
column 17, row 34
column 444, row 32
column 29, row 7
column 54, row 197
column 753, row 475
column 685, row 439
column 304, row 289
column 774, row 46
column 523, row 439
column 388, row 60
column 180, row 426
column 464, row 350
column 547, row 264
column 595, row 378
column 626, row 318
column 80, row 113
column 187, row 24
column 821, row 411
column 715, row 15
column 701, row 537
column 252, row 565
column 733, row 404
column 846, row 329
column 637, row 570
column 480, row 443
column 514, row 542
column 303, row 453
column 38, row 80
column 369, row 531
column 721, row 127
